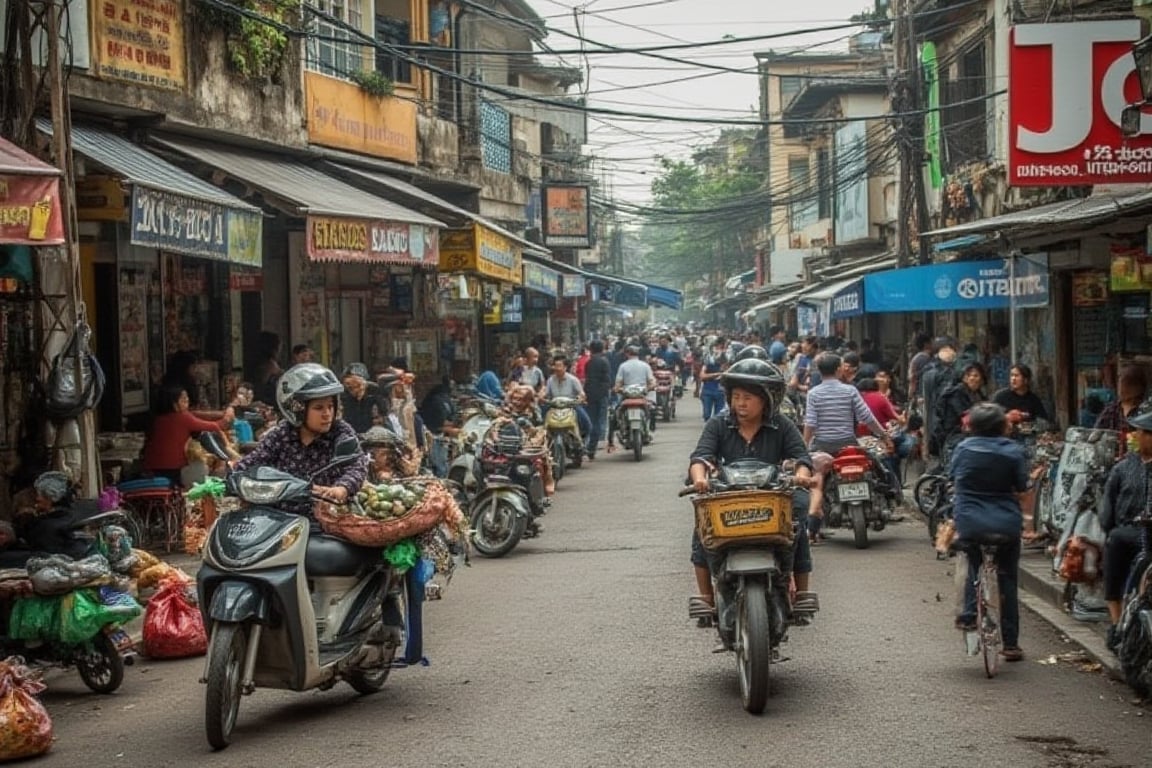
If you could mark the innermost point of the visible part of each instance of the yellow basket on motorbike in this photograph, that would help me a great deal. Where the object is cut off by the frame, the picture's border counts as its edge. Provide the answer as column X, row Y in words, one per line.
column 751, row 517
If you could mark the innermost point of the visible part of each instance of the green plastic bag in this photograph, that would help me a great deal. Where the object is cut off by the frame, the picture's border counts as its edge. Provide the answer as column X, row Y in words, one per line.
column 402, row 555
column 82, row 615
column 35, row 618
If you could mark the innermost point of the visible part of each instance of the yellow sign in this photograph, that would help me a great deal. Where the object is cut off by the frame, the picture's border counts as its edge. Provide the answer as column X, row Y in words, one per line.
column 479, row 249
column 141, row 41
column 341, row 115
column 100, row 198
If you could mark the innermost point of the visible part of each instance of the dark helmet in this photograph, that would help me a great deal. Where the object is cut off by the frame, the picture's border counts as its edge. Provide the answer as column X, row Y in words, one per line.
column 753, row 352
column 1143, row 418
column 760, row 377
column 734, row 350
column 301, row 384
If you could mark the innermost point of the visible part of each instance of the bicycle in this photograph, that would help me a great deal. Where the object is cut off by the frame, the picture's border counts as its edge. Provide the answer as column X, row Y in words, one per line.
column 986, row 638
column 1134, row 630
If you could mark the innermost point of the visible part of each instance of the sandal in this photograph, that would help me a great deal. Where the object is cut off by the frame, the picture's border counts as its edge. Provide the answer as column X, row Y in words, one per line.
column 701, row 607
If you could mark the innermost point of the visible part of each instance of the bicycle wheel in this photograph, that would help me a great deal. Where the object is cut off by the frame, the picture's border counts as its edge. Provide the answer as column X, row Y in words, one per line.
column 929, row 493
column 988, row 617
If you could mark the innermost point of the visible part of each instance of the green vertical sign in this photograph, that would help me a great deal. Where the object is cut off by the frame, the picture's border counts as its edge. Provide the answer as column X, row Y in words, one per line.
column 932, row 141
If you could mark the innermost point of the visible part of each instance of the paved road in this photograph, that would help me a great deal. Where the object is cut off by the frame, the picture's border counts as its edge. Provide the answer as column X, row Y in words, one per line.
column 576, row 651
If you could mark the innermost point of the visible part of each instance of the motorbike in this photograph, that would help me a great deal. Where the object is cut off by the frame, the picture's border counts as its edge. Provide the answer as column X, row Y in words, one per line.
column 512, row 496
column 745, row 522
column 851, row 495
column 100, row 659
column 633, row 419
column 287, row 607
column 464, row 471
column 564, row 440
column 665, row 394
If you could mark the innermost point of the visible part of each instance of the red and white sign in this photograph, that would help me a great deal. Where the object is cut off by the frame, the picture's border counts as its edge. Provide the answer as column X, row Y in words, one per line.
column 1068, row 84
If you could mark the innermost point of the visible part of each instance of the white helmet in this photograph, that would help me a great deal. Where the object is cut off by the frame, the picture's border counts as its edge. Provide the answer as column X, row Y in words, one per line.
column 301, row 384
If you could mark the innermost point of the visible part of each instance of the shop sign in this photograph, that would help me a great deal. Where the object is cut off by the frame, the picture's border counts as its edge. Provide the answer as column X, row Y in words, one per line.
column 362, row 240
column 960, row 285
column 852, row 222
column 848, row 301
column 30, row 210
column 479, row 249
column 541, row 279
column 342, row 115
column 141, row 41
column 574, row 286
column 1131, row 269
column 566, row 216
column 810, row 321
column 493, row 299
column 246, row 282
column 100, row 198
column 1089, row 289
column 512, row 308
column 195, row 227
column 1068, row 85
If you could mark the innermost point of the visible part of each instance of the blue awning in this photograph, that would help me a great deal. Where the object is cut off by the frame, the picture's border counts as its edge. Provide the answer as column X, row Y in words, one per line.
column 664, row 297
column 960, row 285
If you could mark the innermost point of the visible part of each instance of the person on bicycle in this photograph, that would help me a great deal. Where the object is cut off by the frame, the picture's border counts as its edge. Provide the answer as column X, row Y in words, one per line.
column 752, row 429
column 988, row 470
column 1125, row 498
column 304, row 443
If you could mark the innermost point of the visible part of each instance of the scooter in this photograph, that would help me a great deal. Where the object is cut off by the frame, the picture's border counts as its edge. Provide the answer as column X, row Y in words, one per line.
column 564, row 440
column 288, row 607
column 633, row 419
column 851, row 496
column 665, row 395
column 512, row 497
column 464, row 472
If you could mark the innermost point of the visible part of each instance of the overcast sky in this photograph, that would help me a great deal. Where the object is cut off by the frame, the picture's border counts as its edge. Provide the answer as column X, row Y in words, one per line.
column 638, row 83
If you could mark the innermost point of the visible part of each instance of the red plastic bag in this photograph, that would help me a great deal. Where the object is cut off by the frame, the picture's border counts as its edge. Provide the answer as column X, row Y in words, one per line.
column 173, row 627
column 25, row 727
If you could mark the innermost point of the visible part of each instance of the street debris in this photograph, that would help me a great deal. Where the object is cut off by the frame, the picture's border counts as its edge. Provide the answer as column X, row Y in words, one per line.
column 1081, row 660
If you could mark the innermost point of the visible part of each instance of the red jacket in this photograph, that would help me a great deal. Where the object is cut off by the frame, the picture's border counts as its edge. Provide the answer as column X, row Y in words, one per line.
column 581, row 362
column 164, row 449
column 881, row 408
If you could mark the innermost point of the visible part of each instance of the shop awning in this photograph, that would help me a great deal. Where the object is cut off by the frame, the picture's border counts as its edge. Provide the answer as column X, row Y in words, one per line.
column 416, row 193
column 171, row 208
column 960, row 285
column 664, row 297
column 736, row 281
column 1056, row 217
column 778, row 300
column 344, row 223
column 825, row 291
column 30, row 211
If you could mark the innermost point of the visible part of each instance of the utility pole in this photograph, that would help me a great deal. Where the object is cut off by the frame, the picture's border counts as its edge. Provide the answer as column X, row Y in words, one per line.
column 909, row 125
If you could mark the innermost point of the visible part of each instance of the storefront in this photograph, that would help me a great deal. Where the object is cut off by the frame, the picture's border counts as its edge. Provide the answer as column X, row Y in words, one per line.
column 541, row 300
column 167, row 261
column 349, row 273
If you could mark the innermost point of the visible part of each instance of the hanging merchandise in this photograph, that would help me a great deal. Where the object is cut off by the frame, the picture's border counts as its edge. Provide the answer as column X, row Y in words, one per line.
column 173, row 626
column 25, row 727
column 65, row 398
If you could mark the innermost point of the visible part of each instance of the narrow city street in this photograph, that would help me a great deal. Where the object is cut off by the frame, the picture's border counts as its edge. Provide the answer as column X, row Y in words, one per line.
column 576, row 650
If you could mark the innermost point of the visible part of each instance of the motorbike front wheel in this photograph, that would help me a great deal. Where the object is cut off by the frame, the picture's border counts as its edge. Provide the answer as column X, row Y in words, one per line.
column 753, row 646
column 101, row 667
column 860, row 526
column 559, row 459
column 637, row 444
column 226, row 655
column 496, row 528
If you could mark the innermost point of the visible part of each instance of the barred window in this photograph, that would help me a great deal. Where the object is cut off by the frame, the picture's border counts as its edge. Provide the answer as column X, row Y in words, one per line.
column 495, row 137
column 327, row 51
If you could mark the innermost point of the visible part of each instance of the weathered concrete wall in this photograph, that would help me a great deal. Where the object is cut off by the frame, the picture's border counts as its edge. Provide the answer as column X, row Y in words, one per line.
column 439, row 144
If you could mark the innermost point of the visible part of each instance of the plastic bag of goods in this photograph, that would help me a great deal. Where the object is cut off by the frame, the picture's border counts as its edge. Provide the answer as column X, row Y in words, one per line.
column 58, row 574
column 173, row 626
column 25, row 727
column 83, row 615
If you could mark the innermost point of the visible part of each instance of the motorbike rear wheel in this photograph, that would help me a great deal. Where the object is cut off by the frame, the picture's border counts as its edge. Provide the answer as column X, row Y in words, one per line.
column 859, row 526
column 753, row 646
column 637, row 444
column 226, row 654
column 496, row 528
column 929, row 493
column 559, row 458
column 102, row 667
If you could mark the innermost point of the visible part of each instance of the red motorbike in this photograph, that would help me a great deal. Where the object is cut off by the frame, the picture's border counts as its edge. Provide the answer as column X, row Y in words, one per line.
column 665, row 396
column 851, row 498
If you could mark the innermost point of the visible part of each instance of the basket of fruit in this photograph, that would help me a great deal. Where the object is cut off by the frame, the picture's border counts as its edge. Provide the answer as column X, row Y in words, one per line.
column 386, row 513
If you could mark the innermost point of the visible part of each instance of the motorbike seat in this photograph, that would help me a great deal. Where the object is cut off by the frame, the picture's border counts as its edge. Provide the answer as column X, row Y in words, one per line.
column 635, row 402
column 993, row 539
column 330, row 556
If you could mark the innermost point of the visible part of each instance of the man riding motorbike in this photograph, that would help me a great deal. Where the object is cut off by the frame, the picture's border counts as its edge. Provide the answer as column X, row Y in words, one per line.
column 522, row 409
column 304, row 442
column 752, row 428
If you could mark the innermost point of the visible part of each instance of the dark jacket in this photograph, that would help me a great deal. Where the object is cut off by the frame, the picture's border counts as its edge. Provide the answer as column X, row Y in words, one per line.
column 1124, row 492
column 777, row 440
column 362, row 413
column 947, row 420
column 597, row 377
column 988, row 473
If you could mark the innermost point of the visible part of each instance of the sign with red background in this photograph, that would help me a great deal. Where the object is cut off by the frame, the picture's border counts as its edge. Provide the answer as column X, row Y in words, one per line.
column 1068, row 84
column 30, row 210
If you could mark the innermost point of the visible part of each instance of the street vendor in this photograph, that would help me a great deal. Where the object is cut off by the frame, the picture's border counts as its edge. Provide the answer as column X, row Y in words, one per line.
column 391, row 457
column 47, row 528
column 522, row 408
column 304, row 443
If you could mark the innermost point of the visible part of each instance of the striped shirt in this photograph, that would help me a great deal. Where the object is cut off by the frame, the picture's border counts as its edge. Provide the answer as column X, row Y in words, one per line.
column 834, row 410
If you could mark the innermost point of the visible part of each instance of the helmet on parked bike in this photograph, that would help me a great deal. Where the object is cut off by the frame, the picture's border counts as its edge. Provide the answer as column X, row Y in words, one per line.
column 753, row 352
column 757, row 376
column 1142, row 419
column 301, row 384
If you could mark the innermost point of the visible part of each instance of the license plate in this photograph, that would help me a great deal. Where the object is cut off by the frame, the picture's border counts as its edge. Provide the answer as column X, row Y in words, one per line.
column 854, row 492
column 636, row 413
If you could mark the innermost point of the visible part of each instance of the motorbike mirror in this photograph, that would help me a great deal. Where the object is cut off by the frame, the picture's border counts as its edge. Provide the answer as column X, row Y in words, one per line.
column 344, row 452
column 213, row 443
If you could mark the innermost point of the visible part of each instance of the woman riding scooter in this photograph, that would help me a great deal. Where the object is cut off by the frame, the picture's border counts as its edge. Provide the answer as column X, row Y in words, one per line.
column 304, row 442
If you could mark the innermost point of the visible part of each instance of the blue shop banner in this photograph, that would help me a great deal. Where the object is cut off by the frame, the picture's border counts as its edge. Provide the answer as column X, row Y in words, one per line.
column 848, row 301
column 573, row 286
column 195, row 227
column 541, row 279
column 960, row 285
column 620, row 294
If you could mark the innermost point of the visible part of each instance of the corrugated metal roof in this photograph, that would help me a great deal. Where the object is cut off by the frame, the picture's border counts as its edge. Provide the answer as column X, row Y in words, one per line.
column 1068, row 214
column 826, row 291
column 776, row 301
column 17, row 162
column 139, row 166
column 311, row 191
column 416, row 193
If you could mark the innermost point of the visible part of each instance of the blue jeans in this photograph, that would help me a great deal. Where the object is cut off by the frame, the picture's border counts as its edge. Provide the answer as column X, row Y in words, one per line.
column 712, row 401
column 597, row 411
column 1007, row 568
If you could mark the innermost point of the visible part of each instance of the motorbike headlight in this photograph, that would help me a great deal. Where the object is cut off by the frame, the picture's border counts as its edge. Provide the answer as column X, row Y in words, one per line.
column 261, row 491
column 524, row 470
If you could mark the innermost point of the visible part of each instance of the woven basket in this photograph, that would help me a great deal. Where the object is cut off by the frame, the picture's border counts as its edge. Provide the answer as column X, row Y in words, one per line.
column 343, row 523
column 745, row 518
